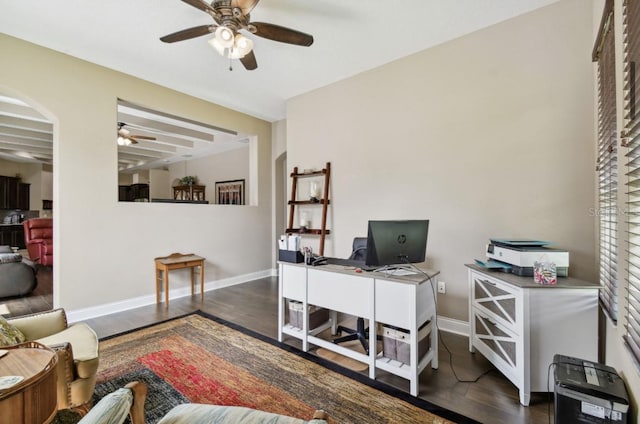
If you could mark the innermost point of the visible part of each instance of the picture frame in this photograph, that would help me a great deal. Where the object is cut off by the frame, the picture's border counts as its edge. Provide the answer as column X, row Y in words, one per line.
column 230, row 192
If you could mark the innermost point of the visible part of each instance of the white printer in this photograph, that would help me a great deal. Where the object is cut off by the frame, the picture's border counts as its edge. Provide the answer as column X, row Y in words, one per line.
column 521, row 255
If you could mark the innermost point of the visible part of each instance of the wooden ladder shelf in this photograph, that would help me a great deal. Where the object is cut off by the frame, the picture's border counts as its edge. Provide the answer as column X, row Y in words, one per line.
column 324, row 202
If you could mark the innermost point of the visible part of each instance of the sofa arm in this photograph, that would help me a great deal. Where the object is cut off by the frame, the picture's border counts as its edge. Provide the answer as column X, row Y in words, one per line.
column 41, row 324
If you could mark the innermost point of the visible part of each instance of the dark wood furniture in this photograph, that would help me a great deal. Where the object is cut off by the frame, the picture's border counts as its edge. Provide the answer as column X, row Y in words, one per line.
column 133, row 193
column 189, row 192
column 34, row 399
column 324, row 202
column 177, row 261
column 14, row 194
column 12, row 235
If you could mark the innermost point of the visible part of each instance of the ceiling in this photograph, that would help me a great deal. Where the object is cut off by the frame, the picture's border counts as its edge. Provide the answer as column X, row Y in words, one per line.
column 27, row 136
column 350, row 37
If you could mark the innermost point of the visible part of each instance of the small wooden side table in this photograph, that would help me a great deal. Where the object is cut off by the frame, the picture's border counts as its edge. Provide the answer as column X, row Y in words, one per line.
column 165, row 264
column 34, row 399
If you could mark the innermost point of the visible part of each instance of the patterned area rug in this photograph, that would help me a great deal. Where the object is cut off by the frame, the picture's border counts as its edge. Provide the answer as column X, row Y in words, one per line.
column 199, row 358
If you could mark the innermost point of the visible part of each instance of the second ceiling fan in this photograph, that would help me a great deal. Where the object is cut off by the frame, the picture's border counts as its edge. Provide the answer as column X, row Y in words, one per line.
column 230, row 17
column 125, row 138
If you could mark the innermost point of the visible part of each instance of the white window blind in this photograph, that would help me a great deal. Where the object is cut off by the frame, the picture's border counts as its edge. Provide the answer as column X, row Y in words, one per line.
column 631, row 139
column 607, row 167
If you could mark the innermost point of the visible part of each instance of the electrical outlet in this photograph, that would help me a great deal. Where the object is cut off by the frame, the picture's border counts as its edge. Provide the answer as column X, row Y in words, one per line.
column 442, row 287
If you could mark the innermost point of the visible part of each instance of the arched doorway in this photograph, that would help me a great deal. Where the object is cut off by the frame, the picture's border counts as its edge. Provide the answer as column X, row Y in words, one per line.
column 26, row 182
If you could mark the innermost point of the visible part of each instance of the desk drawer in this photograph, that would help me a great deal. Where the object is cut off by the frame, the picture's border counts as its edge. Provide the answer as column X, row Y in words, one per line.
column 341, row 292
column 498, row 300
column 293, row 281
column 500, row 345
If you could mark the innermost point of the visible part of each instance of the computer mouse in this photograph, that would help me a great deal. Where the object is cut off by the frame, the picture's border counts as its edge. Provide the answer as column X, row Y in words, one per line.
column 358, row 270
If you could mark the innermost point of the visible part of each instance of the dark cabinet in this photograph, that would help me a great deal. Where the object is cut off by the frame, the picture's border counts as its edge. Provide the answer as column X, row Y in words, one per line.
column 12, row 235
column 8, row 192
column 133, row 193
column 23, row 196
column 13, row 193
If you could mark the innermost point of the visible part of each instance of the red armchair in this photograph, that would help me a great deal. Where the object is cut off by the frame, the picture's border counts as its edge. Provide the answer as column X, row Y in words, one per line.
column 38, row 235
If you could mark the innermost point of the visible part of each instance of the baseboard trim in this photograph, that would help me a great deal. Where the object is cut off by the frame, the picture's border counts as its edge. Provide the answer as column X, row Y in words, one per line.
column 451, row 325
column 83, row 314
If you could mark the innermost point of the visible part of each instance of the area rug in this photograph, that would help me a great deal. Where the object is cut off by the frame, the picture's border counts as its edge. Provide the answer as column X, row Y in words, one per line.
column 199, row 358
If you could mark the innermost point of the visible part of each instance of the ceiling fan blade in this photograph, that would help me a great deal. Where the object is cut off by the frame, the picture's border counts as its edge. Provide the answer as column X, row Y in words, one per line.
column 249, row 61
column 245, row 5
column 142, row 137
column 202, row 5
column 282, row 34
column 188, row 33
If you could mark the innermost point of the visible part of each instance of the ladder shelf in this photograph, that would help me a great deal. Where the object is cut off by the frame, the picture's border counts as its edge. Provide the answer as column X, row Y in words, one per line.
column 323, row 201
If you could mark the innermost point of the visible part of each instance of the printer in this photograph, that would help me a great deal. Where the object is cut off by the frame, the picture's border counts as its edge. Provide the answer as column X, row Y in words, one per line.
column 587, row 392
column 520, row 255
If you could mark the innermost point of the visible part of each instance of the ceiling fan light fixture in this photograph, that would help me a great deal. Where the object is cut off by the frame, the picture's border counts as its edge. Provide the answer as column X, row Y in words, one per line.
column 224, row 36
column 241, row 47
column 216, row 45
column 121, row 141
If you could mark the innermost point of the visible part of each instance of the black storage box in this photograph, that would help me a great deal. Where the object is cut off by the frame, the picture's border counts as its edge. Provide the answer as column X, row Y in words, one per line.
column 294, row 256
column 588, row 393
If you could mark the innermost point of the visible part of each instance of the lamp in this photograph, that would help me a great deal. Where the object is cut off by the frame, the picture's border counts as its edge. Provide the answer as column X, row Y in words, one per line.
column 227, row 44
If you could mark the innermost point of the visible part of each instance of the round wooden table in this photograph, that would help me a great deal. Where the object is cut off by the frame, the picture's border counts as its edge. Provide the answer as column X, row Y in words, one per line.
column 34, row 399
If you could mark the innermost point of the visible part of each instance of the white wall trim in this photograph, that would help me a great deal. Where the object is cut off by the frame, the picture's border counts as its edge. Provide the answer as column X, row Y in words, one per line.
column 451, row 325
column 137, row 302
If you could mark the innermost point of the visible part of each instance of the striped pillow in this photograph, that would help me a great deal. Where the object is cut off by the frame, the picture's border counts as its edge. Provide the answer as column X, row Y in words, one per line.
column 112, row 409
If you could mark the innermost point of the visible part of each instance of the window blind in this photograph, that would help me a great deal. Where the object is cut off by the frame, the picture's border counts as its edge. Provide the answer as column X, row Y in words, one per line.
column 631, row 139
column 607, row 163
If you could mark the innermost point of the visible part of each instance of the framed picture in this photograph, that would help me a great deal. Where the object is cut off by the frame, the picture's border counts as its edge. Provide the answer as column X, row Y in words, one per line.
column 230, row 192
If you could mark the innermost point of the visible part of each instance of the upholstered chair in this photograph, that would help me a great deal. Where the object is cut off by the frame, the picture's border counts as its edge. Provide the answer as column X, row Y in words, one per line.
column 38, row 236
column 77, row 349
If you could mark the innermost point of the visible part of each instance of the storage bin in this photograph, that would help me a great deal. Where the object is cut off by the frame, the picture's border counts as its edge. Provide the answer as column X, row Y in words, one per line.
column 396, row 342
column 293, row 256
column 317, row 315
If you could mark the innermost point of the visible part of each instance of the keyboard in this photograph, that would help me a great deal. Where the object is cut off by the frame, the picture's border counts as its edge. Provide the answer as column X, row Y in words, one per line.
column 350, row 262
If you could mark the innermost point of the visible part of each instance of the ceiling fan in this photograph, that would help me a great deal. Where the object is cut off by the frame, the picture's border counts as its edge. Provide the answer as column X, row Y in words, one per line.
column 230, row 17
column 125, row 138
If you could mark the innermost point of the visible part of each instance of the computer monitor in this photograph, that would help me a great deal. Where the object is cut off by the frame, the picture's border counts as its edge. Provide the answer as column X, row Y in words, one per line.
column 396, row 242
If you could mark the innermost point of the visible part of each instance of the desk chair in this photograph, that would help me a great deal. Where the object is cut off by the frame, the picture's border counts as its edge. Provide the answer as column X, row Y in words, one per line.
column 359, row 253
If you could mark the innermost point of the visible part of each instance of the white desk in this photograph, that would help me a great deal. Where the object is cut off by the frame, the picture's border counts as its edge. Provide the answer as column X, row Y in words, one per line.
column 401, row 301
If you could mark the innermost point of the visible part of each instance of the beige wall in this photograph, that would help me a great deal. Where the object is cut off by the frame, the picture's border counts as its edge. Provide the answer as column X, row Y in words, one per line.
column 489, row 135
column 105, row 248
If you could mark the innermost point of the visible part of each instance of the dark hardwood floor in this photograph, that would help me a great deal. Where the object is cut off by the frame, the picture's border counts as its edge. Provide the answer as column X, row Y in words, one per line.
column 254, row 305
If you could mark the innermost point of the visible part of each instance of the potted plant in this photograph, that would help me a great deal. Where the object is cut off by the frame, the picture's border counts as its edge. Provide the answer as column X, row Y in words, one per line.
column 188, row 180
